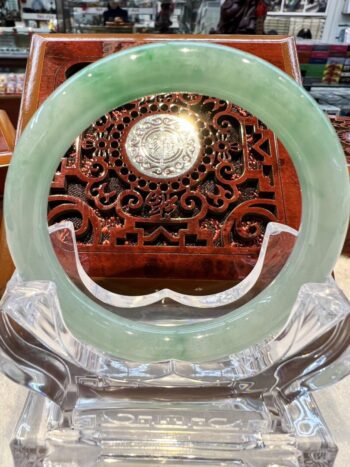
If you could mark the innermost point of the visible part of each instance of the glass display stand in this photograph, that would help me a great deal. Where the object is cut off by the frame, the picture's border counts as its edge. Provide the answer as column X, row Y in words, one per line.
column 253, row 408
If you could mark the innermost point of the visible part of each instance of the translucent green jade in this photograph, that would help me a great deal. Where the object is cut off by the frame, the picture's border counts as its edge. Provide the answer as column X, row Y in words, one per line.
column 188, row 67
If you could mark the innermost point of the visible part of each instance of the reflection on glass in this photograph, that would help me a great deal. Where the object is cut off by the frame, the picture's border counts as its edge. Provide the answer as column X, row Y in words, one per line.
column 275, row 5
column 316, row 6
column 195, row 16
column 294, row 5
column 9, row 13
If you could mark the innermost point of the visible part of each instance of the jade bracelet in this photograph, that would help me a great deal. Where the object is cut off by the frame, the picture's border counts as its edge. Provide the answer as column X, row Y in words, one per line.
column 193, row 67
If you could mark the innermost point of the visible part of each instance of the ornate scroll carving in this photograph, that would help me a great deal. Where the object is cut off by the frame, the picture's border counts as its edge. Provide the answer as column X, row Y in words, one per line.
column 342, row 127
column 220, row 202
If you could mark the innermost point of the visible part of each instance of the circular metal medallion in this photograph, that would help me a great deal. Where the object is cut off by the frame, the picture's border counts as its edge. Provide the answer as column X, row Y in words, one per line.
column 163, row 145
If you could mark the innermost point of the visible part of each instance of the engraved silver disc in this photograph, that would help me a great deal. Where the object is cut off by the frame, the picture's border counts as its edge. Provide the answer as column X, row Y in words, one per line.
column 163, row 145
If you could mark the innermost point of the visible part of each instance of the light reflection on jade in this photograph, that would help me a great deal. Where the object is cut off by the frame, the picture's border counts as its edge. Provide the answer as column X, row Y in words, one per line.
column 195, row 67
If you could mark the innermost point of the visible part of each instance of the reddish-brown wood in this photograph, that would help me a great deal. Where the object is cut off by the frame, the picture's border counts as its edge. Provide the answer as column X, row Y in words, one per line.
column 342, row 127
column 220, row 237
column 11, row 105
column 7, row 135
column 7, row 141
column 234, row 189
column 52, row 55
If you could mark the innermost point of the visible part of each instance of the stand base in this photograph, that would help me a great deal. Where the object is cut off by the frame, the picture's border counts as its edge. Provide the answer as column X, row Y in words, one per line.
column 128, row 429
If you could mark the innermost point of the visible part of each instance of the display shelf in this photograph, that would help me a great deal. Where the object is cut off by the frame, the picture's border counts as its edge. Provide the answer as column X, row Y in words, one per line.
column 27, row 30
column 14, row 45
column 293, row 24
column 15, row 56
column 11, row 83
column 305, row 7
column 9, row 96
column 325, row 85
column 297, row 14
column 88, row 17
column 39, row 16
column 13, row 59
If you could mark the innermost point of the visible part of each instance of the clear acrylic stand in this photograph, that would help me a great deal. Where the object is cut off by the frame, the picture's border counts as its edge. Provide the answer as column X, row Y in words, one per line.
column 252, row 408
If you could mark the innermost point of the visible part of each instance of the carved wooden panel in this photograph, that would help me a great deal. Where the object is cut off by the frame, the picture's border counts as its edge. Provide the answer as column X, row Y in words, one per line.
column 342, row 128
column 203, row 214
column 219, row 206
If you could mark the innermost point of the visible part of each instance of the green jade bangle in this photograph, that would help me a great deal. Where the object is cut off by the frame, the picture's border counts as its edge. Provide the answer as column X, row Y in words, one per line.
column 194, row 67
